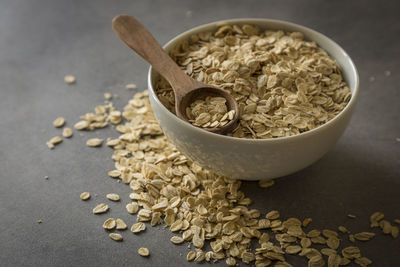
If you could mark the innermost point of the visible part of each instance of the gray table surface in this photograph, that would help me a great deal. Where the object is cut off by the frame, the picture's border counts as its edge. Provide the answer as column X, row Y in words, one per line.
column 43, row 40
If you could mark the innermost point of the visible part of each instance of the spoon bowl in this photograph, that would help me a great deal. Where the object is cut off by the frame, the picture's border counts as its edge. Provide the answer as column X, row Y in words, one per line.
column 202, row 93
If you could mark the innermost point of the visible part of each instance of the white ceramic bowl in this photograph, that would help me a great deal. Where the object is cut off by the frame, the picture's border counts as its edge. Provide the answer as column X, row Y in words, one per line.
column 249, row 159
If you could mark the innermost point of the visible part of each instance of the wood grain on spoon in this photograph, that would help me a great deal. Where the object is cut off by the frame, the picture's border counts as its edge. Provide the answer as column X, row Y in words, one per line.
column 186, row 89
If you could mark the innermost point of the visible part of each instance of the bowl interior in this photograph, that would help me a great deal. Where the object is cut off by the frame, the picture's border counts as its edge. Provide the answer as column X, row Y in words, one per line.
column 347, row 66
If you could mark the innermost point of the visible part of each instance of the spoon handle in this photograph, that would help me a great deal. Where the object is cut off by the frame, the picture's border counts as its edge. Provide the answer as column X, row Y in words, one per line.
column 138, row 38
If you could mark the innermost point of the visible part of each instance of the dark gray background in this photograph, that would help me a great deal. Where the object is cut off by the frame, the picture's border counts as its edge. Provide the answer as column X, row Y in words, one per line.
column 43, row 40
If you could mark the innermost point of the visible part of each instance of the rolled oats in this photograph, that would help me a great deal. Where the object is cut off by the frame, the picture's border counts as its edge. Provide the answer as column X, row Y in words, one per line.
column 101, row 208
column 131, row 86
column 132, row 207
column 113, row 197
column 67, row 132
column 191, row 255
column 144, row 252
column 284, row 85
column 266, row 183
column 109, row 224
column 85, row 195
column 59, row 122
column 115, row 236
column 69, row 79
column 204, row 207
column 94, row 142
column 121, row 225
column 138, row 227
column 364, row 236
column 211, row 112
column 54, row 141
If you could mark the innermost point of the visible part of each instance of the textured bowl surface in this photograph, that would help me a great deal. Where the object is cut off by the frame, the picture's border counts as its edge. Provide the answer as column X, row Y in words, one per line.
column 249, row 159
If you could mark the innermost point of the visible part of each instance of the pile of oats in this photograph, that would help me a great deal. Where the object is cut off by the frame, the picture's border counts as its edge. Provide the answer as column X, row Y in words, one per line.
column 284, row 85
column 203, row 208
column 103, row 114
column 211, row 112
column 207, row 210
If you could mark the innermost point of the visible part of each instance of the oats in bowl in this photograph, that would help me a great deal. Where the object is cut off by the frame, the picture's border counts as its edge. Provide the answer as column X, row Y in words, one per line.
column 296, row 90
column 284, row 84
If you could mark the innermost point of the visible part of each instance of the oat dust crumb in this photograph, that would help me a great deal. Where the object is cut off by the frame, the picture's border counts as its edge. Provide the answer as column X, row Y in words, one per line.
column 131, row 86
column 107, row 96
column 69, row 79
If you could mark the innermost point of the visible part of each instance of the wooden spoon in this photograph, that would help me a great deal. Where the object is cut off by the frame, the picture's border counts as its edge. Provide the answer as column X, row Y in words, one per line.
column 186, row 89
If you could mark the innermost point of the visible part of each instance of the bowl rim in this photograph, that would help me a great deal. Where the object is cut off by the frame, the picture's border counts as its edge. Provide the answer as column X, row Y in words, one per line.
column 306, row 134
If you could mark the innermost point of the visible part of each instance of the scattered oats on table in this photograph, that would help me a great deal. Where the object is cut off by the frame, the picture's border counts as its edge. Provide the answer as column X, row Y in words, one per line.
column 54, row 141
column 375, row 218
column 69, row 79
column 266, row 183
column 284, row 85
column 131, row 86
column 113, row 197
column 115, row 236
column 191, row 255
column 138, row 227
column 206, row 209
column 343, row 229
column 59, row 122
column 177, row 240
column 67, row 132
column 81, row 125
column 306, row 222
column 121, row 225
column 107, row 96
column 132, row 207
column 144, row 252
column 100, row 208
column 85, row 195
column 94, row 142
column 364, row 236
column 109, row 224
